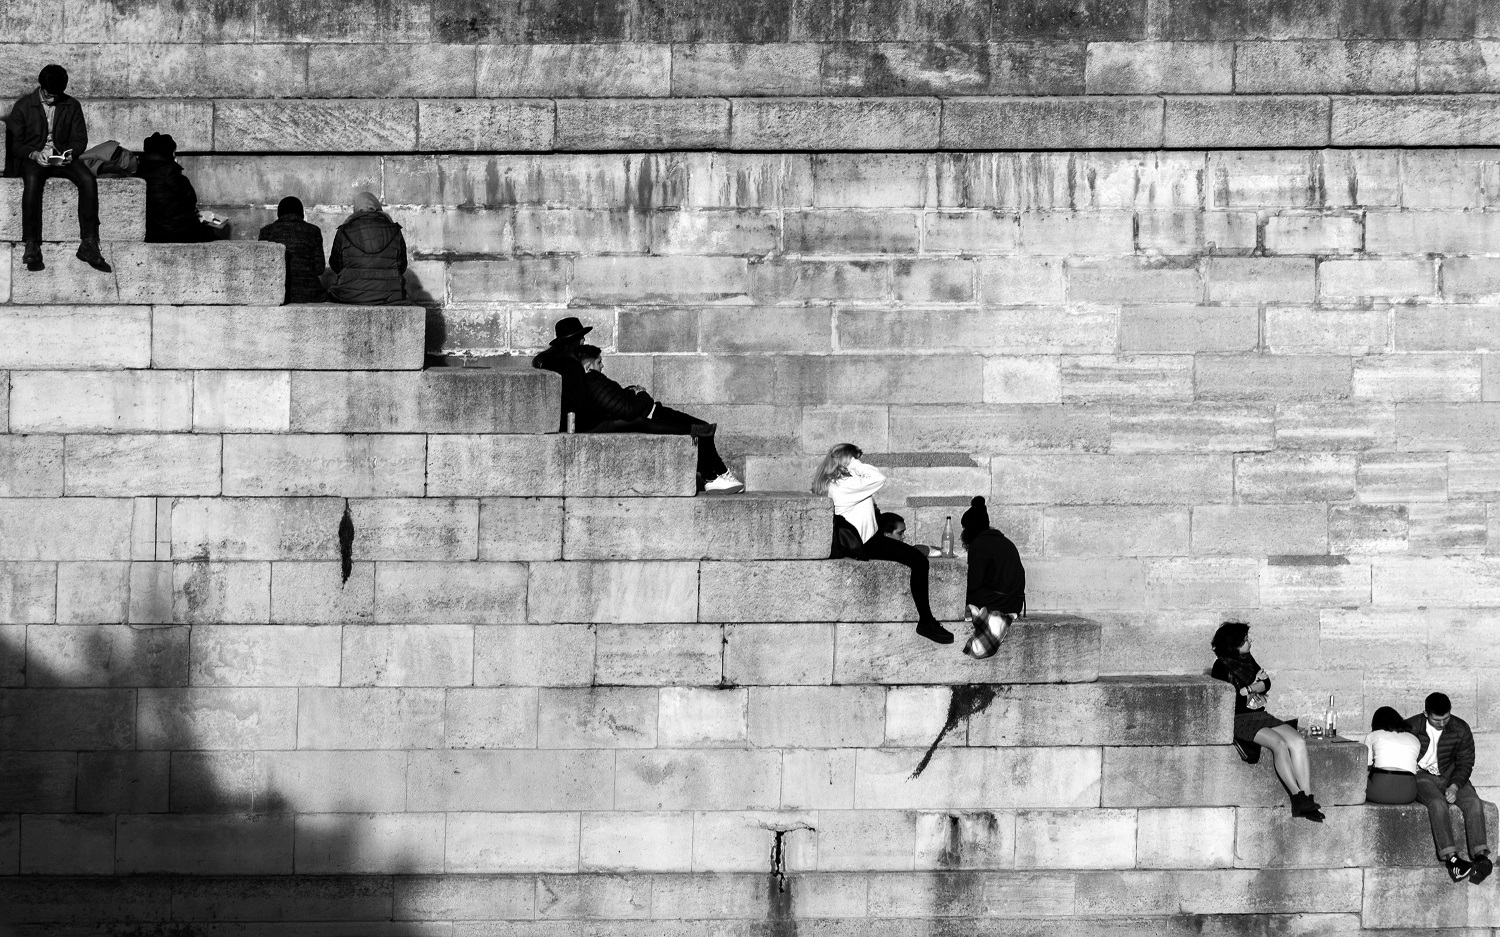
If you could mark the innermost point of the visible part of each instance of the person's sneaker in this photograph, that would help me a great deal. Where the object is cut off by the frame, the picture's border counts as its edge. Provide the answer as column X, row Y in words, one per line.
column 33, row 256
column 88, row 252
column 932, row 630
column 1481, row 868
column 1458, row 869
column 726, row 484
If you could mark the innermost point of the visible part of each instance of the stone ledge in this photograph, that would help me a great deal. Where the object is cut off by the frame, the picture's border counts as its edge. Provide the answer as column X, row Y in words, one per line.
column 859, row 123
column 1207, row 776
column 321, row 337
column 122, row 210
column 224, row 273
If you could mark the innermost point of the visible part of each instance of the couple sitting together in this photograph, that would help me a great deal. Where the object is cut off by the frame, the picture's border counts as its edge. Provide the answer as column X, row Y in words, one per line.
column 1427, row 758
column 599, row 404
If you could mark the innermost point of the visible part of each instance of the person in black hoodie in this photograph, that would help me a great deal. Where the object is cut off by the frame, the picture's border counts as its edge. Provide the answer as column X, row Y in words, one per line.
column 1254, row 728
column 46, row 136
column 615, row 409
column 304, row 251
column 996, row 594
column 368, row 258
column 171, row 200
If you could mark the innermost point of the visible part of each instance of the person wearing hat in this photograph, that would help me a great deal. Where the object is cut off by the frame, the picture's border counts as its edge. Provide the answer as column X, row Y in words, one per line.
column 368, row 258
column 47, row 133
column 171, row 200
column 614, row 409
column 304, row 251
column 559, row 358
column 996, row 594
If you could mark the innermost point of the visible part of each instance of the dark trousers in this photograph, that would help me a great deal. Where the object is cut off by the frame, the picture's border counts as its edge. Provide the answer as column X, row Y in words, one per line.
column 34, row 179
column 1430, row 792
column 881, row 547
column 668, row 422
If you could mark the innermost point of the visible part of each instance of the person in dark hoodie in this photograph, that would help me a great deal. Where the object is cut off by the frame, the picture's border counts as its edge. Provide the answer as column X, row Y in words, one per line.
column 47, row 137
column 368, row 258
column 304, row 251
column 996, row 595
column 171, row 200
column 615, row 409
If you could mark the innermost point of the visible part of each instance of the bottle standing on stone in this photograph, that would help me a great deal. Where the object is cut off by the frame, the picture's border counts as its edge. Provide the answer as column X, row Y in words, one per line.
column 1254, row 728
column 46, row 131
column 947, row 543
column 851, row 485
column 996, row 594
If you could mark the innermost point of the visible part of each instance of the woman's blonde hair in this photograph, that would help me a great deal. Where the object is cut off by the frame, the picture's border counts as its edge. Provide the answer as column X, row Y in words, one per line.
column 835, row 465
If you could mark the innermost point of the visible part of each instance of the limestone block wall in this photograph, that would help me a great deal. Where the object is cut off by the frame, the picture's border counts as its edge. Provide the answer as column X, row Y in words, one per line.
column 1192, row 384
column 383, row 76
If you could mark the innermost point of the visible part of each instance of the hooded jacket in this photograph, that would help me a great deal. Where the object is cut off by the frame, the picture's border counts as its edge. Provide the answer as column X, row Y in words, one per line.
column 304, row 257
column 1455, row 752
column 368, row 260
column 27, row 126
column 997, row 578
column 171, row 201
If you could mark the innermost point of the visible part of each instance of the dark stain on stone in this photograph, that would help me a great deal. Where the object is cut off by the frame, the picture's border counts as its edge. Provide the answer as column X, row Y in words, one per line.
column 346, row 543
column 781, row 913
column 965, row 701
column 1322, row 560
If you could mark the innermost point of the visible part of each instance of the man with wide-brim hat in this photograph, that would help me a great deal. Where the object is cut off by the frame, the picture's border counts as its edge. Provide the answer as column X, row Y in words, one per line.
column 558, row 358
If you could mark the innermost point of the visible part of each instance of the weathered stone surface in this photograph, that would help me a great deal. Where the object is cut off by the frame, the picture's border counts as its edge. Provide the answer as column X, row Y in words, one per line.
column 457, row 126
column 323, row 337
column 818, row 591
column 642, row 123
column 1114, row 711
column 1054, row 123
column 1414, row 120
column 604, row 591
column 345, row 465
column 760, row 526
column 440, row 400
column 384, row 70
column 33, row 529
column 101, row 401
column 74, row 337
column 255, row 528
column 830, row 123
column 1041, row 648
column 120, row 465
column 310, row 125
column 985, row 778
column 122, row 210
column 1209, row 776
column 1245, row 120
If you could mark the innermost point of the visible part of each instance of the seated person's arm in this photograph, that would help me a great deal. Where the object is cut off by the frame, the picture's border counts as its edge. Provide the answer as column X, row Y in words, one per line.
column 615, row 401
column 78, row 138
column 336, row 255
column 401, row 243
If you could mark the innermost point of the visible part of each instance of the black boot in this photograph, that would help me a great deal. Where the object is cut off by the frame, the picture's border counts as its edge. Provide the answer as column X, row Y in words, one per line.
column 932, row 630
column 33, row 256
column 88, row 252
column 1482, row 867
column 1305, row 807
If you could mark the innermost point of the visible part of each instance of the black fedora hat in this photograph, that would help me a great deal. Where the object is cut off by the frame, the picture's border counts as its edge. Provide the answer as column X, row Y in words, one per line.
column 569, row 330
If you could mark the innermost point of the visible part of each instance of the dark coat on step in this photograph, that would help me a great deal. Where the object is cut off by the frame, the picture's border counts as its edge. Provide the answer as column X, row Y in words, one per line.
column 609, row 401
column 171, row 202
column 1455, row 754
column 26, row 127
column 304, row 257
column 997, row 578
column 575, row 394
column 368, row 261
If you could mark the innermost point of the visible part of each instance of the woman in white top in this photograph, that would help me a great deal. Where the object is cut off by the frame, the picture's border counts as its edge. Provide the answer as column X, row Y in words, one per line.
column 1393, row 759
column 856, row 533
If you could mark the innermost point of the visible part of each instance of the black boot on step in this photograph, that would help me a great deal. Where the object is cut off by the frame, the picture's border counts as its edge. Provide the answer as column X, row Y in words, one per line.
column 88, row 252
column 932, row 630
column 33, row 256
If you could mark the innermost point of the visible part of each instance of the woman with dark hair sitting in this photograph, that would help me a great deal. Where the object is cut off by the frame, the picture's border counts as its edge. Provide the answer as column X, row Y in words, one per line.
column 1393, row 759
column 1236, row 666
column 997, row 581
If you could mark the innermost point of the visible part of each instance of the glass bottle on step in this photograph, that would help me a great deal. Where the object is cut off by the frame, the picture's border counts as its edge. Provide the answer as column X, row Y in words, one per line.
column 1330, row 719
column 947, row 544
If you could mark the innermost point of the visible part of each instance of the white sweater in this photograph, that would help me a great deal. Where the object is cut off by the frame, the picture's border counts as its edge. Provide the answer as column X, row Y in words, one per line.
column 854, row 497
column 1394, row 750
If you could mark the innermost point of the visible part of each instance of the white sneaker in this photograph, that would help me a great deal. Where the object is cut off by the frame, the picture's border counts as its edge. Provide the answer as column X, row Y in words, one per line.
column 725, row 483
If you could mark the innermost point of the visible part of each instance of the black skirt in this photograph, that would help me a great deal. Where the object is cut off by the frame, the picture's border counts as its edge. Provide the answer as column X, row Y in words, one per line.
column 1246, row 724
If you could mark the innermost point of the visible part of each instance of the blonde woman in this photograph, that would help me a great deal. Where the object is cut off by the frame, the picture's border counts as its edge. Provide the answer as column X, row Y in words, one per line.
column 852, row 484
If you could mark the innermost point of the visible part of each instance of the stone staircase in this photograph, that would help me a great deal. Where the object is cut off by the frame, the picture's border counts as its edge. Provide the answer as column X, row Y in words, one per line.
column 297, row 637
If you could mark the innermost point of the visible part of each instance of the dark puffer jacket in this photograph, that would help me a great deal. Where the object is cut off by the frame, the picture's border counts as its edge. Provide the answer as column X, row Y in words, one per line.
column 1455, row 753
column 368, row 260
column 171, row 202
column 609, row 401
column 997, row 577
column 304, row 257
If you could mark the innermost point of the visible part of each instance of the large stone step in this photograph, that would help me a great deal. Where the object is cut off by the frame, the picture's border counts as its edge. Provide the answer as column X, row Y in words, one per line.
column 1114, row 711
column 519, row 400
column 1207, row 776
column 122, row 210
column 317, row 337
column 223, row 273
column 750, row 526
